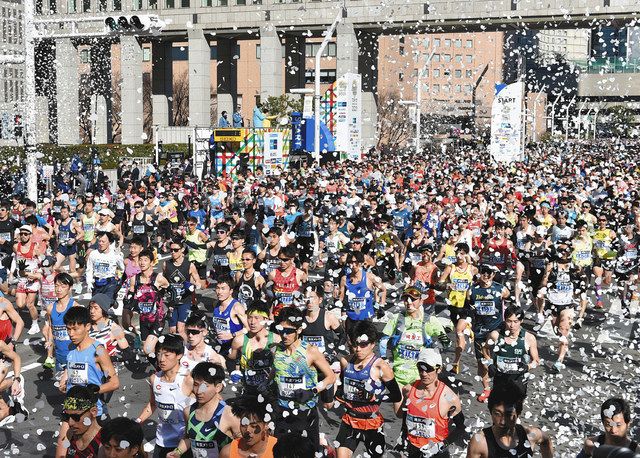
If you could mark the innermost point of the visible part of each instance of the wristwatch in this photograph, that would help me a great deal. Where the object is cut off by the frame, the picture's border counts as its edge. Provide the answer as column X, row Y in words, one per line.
column 17, row 378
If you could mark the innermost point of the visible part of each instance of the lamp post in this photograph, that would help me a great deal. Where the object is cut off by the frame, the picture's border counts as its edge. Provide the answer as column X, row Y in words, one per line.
column 535, row 111
column 580, row 118
column 568, row 107
column 316, row 95
column 553, row 114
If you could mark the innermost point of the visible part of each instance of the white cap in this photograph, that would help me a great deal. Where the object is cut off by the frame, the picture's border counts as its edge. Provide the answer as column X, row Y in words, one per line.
column 430, row 356
column 106, row 212
column 26, row 228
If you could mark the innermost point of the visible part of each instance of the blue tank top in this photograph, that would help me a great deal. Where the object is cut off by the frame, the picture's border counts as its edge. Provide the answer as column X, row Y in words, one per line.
column 359, row 300
column 486, row 303
column 222, row 321
column 65, row 233
column 305, row 228
column 83, row 370
column 61, row 341
column 357, row 385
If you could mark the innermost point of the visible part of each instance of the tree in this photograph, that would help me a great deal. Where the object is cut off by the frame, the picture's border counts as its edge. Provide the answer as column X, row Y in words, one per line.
column 621, row 119
column 180, row 100
column 116, row 106
column 147, row 107
column 394, row 122
column 282, row 105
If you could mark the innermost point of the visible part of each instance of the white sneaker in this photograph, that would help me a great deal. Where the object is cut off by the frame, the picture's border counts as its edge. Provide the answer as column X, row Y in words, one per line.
column 20, row 398
column 34, row 329
column 6, row 420
column 540, row 318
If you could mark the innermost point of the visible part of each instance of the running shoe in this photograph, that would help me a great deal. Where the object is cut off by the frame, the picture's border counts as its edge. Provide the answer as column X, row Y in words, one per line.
column 557, row 367
column 484, row 395
column 34, row 329
column 599, row 304
column 455, row 368
column 540, row 318
column 49, row 363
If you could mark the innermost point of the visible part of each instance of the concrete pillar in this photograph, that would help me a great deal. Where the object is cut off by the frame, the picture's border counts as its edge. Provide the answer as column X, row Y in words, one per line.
column 347, row 49
column 227, row 76
column 131, row 125
column 162, row 83
column 101, row 85
column 67, row 92
column 42, row 119
column 271, row 78
column 199, row 78
column 294, row 77
column 368, row 68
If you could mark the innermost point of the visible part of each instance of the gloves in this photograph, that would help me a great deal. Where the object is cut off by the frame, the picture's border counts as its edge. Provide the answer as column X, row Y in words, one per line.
column 302, row 396
column 235, row 376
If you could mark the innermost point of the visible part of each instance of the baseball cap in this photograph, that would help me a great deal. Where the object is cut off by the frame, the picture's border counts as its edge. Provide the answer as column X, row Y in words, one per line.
column 106, row 212
column 412, row 292
column 26, row 228
column 102, row 300
column 430, row 356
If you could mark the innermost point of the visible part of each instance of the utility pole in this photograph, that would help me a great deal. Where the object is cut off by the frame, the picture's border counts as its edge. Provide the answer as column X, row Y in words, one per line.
column 568, row 107
column 29, row 109
column 535, row 111
column 553, row 115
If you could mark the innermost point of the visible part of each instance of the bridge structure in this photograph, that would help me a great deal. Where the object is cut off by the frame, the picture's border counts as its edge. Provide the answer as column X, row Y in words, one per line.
column 274, row 24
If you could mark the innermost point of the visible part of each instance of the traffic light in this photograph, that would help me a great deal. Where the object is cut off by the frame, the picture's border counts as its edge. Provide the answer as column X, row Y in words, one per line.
column 17, row 126
column 133, row 24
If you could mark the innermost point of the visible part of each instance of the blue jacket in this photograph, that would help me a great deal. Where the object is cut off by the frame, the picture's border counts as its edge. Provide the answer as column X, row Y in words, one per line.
column 258, row 117
column 223, row 122
column 237, row 120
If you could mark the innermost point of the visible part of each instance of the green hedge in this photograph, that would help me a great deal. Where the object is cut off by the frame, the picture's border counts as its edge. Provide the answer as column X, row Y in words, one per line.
column 109, row 154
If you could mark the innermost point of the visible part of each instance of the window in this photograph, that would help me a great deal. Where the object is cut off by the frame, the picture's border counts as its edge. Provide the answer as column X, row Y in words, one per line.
column 117, row 5
column 400, row 76
column 436, row 88
column 71, row 8
column 223, row 2
column 468, row 73
column 102, row 5
column 207, row 3
column 459, row 58
column 311, row 49
column 447, row 43
column 153, row 4
column 241, row 2
column 447, row 72
column 326, row 76
column 458, row 73
column 414, row 73
column 446, row 88
column 86, row 6
column 169, row 4
column 84, row 56
column 436, row 57
column 469, row 58
column 447, row 57
column 458, row 43
column 436, row 42
column 426, row 72
column 458, row 88
column 258, row 52
column 436, row 73
column 467, row 89
column 146, row 54
column 401, row 46
column 425, row 42
column 469, row 44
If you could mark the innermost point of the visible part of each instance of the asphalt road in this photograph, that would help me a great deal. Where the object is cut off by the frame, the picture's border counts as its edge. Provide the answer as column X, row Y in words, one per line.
column 603, row 362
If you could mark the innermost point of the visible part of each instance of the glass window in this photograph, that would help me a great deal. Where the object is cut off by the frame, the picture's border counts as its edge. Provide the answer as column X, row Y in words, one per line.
column 436, row 57
column 436, row 73
column 458, row 43
column 459, row 58
column 153, row 4
column 426, row 72
column 468, row 73
column 308, row 50
column 446, row 88
column 469, row 58
column 102, row 5
column 447, row 72
column 400, row 76
column 414, row 73
column 169, row 4
column 258, row 52
column 401, row 46
column 458, row 88
column 469, row 44
column 71, row 8
column 447, row 57
column 458, row 73
column 146, row 54
column 84, row 56
column 223, row 2
column 436, row 42
column 332, row 49
column 447, row 43
column 117, row 5
column 436, row 88
column 425, row 42
column 86, row 6
column 467, row 89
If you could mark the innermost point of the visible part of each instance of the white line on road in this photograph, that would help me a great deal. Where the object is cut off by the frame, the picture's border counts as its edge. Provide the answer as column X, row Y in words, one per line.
column 26, row 368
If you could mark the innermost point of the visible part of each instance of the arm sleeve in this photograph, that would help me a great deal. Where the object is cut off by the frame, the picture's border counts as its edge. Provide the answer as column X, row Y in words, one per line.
column 456, row 429
column 394, row 390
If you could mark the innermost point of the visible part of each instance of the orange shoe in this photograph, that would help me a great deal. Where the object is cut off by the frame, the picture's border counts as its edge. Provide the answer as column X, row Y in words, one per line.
column 484, row 395
column 455, row 368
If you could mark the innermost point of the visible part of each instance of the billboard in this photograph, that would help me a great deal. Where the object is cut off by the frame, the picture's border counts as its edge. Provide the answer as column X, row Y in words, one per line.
column 506, row 123
column 341, row 111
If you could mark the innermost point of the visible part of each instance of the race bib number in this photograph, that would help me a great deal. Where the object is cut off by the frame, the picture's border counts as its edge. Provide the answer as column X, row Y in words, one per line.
column 583, row 255
column 221, row 261
column 101, row 268
column 78, row 373
column 5, row 236
column 165, row 410
column 460, row 285
column 317, row 341
column 284, row 298
column 146, row 307
column 506, row 365
column 415, row 257
column 485, row 308
column 60, row 332
column 287, row 385
column 138, row 229
column 421, row 427
column 408, row 352
column 353, row 390
column 357, row 304
column 202, row 449
column 221, row 324
column 631, row 254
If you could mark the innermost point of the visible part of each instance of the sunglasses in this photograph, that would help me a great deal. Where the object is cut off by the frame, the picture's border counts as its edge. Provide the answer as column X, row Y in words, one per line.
column 137, row 206
column 24, row 234
column 175, row 250
column 221, row 232
column 193, row 332
column 285, row 259
column 74, row 416
column 422, row 367
column 286, row 331
column 361, row 344
column 247, row 259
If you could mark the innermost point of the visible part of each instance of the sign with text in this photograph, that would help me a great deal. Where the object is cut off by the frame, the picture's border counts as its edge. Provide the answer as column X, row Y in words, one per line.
column 506, row 123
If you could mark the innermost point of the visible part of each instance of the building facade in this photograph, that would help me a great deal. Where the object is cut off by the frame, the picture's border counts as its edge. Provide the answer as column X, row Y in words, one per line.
column 11, row 75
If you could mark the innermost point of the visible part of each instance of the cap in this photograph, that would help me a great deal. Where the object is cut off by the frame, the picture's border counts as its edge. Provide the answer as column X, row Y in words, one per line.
column 26, row 228
column 412, row 292
column 102, row 300
column 106, row 212
column 104, row 200
column 430, row 356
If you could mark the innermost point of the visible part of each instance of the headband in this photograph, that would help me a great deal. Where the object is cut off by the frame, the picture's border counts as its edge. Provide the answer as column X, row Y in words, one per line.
column 72, row 403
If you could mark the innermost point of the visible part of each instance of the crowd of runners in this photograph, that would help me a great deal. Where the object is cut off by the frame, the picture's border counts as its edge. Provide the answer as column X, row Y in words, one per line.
column 339, row 287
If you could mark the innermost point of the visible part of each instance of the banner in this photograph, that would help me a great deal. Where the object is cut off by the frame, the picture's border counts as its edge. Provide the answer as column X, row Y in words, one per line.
column 273, row 153
column 341, row 111
column 506, row 123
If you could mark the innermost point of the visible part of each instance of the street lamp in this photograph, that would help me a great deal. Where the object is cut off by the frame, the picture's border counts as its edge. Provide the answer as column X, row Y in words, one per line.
column 316, row 95
column 553, row 115
column 568, row 107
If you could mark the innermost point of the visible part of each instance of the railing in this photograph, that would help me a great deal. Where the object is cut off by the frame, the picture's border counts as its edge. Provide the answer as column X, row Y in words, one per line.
column 610, row 65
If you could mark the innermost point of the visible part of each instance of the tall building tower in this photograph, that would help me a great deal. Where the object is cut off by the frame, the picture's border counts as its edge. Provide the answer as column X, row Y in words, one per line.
column 11, row 75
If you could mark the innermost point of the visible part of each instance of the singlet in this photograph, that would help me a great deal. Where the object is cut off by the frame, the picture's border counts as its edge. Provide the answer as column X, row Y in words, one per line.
column 496, row 254
column 284, row 287
column 424, row 275
column 66, row 233
column 292, row 374
column 495, row 450
column 449, row 254
column 170, row 402
column 511, row 358
column 487, row 307
column 561, row 290
column 247, row 351
column 206, row 438
column 187, row 364
column 333, row 245
column 61, row 340
column 220, row 261
column 47, row 293
column 131, row 269
column 581, row 255
column 234, row 452
column 246, row 290
column 82, row 370
column 102, row 334
column 198, row 255
column 222, row 321
column 150, row 305
column 424, row 422
column 90, row 451
column 316, row 334
column 359, row 299
column 139, row 225
column 537, row 259
column 89, row 226
column 178, row 276
column 305, row 229
column 360, row 391
column 602, row 242
column 630, row 247
column 271, row 262
column 30, row 258
column 235, row 262
column 461, row 281
column 414, row 256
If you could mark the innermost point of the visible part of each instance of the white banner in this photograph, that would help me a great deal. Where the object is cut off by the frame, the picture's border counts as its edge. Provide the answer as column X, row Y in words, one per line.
column 506, row 123
column 348, row 115
column 307, row 110
column 273, row 157
column 200, row 157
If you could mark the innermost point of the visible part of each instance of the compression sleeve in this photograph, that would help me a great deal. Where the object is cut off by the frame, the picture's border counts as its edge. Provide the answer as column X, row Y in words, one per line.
column 458, row 431
column 394, row 390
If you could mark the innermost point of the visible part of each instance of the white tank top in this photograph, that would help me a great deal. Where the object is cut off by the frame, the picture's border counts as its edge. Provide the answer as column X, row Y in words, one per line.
column 170, row 403
column 187, row 364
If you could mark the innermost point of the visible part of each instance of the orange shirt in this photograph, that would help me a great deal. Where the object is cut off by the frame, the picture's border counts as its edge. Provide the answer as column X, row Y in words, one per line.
column 268, row 453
